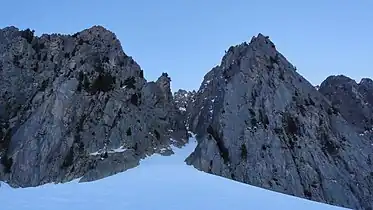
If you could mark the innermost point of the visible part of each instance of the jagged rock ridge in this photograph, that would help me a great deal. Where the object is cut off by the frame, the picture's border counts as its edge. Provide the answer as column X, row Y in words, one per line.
column 78, row 106
column 259, row 122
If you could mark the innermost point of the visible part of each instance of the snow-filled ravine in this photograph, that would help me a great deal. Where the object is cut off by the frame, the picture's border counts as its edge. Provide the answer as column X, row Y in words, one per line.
column 160, row 182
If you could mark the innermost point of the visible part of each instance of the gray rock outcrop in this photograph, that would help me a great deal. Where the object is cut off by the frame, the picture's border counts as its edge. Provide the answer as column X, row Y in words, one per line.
column 184, row 101
column 259, row 122
column 354, row 101
column 78, row 107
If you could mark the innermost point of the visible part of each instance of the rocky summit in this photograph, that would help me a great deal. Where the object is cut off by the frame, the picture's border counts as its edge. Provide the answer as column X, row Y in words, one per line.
column 259, row 122
column 354, row 101
column 76, row 106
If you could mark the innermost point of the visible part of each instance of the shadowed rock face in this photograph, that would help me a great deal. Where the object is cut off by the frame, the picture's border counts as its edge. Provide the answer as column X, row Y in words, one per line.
column 184, row 101
column 258, row 121
column 77, row 106
column 366, row 90
column 353, row 100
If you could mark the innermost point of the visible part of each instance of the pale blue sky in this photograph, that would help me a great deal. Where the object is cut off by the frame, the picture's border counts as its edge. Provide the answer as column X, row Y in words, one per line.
column 186, row 38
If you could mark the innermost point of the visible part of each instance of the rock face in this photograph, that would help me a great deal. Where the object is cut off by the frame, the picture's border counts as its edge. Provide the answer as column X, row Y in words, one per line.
column 184, row 101
column 78, row 107
column 353, row 100
column 259, row 122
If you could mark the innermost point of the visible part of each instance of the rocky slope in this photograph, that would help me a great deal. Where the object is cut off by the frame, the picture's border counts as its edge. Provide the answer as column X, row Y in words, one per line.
column 184, row 101
column 78, row 106
column 259, row 122
column 353, row 100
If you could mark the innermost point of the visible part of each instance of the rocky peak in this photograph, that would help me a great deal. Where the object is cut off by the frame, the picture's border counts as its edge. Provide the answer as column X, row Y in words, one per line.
column 164, row 82
column 75, row 106
column 351, row 99
column 366, row 90
column 261, row 40
column 257, row 121
column 98, row 31
column 366, row 82
column 340, row 80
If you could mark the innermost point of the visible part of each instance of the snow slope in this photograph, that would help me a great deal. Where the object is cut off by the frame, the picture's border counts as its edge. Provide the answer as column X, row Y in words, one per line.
column 164, row 183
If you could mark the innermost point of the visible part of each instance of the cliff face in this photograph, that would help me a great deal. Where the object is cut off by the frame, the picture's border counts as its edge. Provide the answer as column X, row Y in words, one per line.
column 77, row 106
column 259, row 122
column 184, row 101
column 353, row 100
